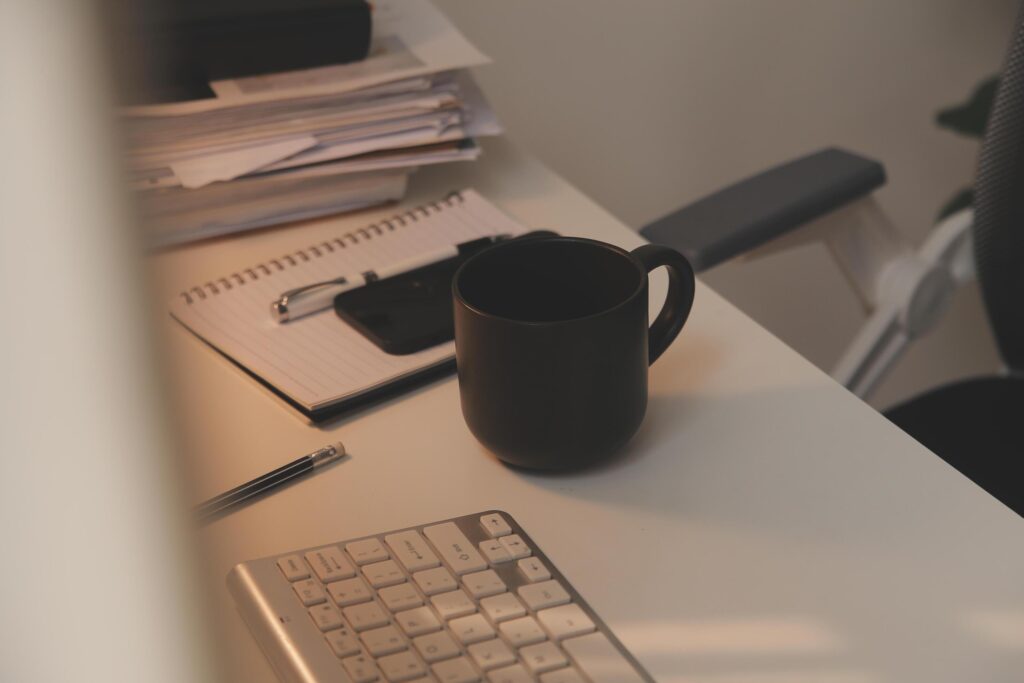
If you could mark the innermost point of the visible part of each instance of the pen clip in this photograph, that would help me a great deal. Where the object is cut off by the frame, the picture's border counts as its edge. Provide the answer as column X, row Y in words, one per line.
column 280, row 305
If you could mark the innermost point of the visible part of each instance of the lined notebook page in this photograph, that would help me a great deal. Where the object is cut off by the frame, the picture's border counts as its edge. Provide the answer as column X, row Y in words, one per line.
column 319, row 359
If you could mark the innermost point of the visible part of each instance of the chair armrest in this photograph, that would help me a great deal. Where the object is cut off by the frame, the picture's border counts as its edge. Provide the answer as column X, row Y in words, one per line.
column 754, row 211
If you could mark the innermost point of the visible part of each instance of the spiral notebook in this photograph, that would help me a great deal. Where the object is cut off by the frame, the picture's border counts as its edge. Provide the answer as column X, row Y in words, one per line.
column 319, row 364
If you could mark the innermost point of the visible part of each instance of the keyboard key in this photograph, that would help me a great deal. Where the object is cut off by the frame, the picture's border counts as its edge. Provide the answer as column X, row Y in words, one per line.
column 533, row 570
column 562, row 676
column 492, row 653
column 543, row 657
column 293, row 568
column 537, row 596
column 453, row 604
column 565, row 621
column 502, row 607
column 600, row 661
column 455, row 671
column 365, row 552
column 366, row 616
column 515, row 546
column 385, row 573
column 522, row 631
column 349, row 592
column 402, row 596
column 494, row 551
column 436, row 646
column 361, row 669
column 483, row 584
column 325, row 616
column 471, row 629
column 495, row 525
column 510, row 674
column 343, row 642
column 310, row 592
column 418, row 621
column 330, row 564
column 383, row 641
column 434, row 581
column 412, row 551
column 455, row 548
column 403, row 666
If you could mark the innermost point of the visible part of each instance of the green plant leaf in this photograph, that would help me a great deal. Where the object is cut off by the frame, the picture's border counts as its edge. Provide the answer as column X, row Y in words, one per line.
column 971, row 117
column 961, row 200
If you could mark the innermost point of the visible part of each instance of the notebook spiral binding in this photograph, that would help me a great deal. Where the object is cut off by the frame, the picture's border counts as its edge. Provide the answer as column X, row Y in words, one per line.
column 267, row 268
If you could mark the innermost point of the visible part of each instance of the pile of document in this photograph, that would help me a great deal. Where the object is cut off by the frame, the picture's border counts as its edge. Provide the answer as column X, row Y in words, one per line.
column 283, row 147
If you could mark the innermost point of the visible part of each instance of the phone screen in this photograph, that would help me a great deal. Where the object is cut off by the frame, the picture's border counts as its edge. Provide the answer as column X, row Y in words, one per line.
column 405, row 313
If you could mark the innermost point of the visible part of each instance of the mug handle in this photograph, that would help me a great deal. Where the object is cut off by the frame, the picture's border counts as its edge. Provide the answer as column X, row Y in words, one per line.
column 679, row 300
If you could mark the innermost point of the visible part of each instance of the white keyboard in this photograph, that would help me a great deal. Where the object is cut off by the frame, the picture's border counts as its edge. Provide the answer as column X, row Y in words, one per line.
column 460, row 601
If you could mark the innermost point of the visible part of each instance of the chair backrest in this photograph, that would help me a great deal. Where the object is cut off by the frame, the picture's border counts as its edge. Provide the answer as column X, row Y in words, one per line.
column 999, row 207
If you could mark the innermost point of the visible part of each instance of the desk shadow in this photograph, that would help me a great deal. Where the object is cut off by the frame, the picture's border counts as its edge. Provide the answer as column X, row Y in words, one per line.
column 371, row 407
column 792, row 469
column 626, row 458
column 697, row 359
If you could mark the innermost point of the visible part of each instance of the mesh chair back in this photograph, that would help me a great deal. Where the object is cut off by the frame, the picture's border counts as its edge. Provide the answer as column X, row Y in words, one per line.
column 999, row 208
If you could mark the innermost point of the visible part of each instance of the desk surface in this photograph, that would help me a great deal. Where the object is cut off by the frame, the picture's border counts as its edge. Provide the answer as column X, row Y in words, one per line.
column 763, row 526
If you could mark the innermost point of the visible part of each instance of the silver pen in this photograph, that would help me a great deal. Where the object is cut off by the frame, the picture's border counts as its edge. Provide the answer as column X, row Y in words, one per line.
column 319, row 296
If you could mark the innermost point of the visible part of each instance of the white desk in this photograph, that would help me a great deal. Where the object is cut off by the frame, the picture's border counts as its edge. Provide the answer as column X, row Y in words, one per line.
column 763, row 526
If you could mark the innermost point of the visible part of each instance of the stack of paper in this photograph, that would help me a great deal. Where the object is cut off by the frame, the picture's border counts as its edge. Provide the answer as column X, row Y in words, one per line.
column 282, row 147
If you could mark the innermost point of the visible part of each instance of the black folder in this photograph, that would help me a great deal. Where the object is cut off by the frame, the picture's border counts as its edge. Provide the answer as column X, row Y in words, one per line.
column 179, row 46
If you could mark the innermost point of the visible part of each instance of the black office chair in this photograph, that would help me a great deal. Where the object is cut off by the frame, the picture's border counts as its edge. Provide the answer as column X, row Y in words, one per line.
column 976, row 425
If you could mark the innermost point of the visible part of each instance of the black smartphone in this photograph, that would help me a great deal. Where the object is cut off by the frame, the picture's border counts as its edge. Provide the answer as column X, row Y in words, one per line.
column 405, row 313
column 412, row 311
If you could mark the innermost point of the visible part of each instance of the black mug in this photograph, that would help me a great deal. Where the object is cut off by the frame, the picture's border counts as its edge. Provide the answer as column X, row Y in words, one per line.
column 552, row 345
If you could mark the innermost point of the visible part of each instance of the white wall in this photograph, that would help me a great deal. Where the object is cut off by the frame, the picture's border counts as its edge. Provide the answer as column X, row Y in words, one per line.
column 649, row 104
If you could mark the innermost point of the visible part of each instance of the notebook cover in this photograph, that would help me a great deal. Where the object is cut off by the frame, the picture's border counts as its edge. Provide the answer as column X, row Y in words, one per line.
column 182, row 46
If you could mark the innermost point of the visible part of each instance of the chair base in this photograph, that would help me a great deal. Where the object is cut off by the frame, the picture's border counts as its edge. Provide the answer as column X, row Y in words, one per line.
column 977, row 426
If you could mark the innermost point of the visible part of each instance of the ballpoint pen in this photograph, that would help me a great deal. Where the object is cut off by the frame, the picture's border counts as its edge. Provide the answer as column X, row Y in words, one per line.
column 319, row 296
column 269, row 481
